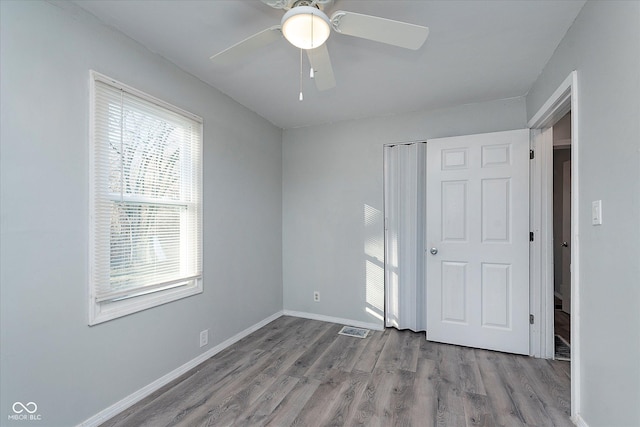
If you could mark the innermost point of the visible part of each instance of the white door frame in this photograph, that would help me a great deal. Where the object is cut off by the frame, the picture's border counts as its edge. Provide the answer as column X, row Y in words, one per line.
column 563, row 100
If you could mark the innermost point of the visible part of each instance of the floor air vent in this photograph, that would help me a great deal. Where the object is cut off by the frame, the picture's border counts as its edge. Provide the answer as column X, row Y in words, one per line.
column 350, row 331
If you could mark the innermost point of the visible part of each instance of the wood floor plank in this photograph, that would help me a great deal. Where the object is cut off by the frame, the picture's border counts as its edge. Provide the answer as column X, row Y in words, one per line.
column 424, row 404
column 231, row 407
column 313, row 352
column 450, row 406
column 470, row 378
column 257, row 413
column 369, row 357
column 324, row 399
column 298, row 344
column 183, row 398
column 226, row 399
column 448, row 367
column 409, row 351
column 270, row 335
column 301, row 372
column 525, row 397
column 478, row 410
column 389, row 356
column 402, row 397
column 342, row 354
column 290, row 407
column 347, row 400
column 372, row 408
column 302, row 334
column 552, row 391
column 428, row 349
column 400, row 351
column 499, row 392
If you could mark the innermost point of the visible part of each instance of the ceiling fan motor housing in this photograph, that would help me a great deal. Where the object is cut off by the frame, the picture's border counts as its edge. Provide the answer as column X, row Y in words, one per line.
column 306, row 27
column 290, row 4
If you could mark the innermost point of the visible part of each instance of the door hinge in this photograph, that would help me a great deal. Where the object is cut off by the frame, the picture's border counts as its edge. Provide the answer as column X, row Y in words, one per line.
column 531, row 155
column 531, row 236
column 531, row 318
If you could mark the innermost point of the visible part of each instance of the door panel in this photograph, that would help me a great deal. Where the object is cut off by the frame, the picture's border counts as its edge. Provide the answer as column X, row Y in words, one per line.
column 496, row 290
column 454, row 210
column 496, row 222
column 454, row 294
column 478, row 227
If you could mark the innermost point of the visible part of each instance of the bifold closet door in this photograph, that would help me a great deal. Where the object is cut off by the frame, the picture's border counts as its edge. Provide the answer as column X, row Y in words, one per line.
column 404, row 205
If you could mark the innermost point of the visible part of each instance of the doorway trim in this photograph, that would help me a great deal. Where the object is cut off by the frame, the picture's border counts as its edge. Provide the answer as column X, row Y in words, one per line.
column 563, row 100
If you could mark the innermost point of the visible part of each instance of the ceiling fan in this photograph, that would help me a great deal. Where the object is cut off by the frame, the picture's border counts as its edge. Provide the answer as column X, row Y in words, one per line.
column 306, row 26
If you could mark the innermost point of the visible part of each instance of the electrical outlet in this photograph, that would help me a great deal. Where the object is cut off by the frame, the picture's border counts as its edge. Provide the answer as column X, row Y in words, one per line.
column 204, row 338
column 316, row 296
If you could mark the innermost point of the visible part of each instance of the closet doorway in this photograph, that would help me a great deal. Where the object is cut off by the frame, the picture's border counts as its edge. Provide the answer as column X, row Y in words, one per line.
column 457, row 239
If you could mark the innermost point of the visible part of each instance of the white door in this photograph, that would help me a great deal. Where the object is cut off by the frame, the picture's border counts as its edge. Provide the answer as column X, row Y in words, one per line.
column 478, row 241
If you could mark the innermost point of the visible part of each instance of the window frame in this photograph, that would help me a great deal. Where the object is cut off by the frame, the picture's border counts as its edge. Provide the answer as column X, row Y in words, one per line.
column 142, row 298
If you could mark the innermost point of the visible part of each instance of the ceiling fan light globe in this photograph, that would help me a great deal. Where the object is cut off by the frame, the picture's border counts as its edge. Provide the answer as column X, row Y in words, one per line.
column 298, row 29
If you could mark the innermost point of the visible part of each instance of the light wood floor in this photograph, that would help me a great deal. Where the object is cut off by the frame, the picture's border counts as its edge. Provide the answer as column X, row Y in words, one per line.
column 301, row 372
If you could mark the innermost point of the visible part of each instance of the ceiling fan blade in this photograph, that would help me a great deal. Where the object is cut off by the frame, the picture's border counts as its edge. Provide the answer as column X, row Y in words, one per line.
column 396, row 33
column 321, row 64
column 248, row 45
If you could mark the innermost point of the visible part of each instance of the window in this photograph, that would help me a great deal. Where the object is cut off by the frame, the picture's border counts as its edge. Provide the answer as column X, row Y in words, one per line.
column 146, row 201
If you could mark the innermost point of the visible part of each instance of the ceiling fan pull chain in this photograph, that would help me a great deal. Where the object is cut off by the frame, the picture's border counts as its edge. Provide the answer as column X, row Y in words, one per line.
column 300, row 97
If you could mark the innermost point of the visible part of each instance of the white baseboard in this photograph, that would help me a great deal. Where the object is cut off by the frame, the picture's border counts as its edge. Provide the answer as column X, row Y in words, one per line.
column 577, row 420
column 323, row 318
column 134, row 398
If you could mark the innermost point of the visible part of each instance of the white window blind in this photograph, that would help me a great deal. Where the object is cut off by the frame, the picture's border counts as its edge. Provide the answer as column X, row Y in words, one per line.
column 146, row 201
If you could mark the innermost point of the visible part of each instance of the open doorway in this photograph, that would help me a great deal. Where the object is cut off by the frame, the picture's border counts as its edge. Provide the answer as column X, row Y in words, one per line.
column 562, row 101
column 562, row 237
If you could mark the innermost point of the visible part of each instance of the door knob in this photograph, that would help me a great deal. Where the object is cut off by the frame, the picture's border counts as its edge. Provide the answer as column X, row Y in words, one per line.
column 565, row 244
column 434, row 251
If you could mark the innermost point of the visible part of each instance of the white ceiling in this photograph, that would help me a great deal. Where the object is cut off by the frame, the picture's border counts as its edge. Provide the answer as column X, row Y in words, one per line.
column 476, row 51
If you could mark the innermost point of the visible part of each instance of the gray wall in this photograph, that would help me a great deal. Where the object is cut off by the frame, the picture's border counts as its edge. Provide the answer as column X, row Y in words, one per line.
column 603, row 45
column 332, row 202
column 49, row 354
